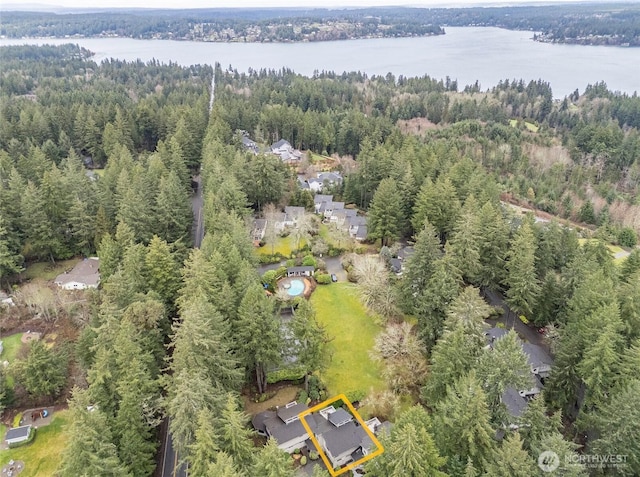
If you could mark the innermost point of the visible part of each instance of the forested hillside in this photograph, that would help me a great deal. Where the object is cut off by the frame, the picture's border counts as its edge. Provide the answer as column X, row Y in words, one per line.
column 586, row 24
column 100, row 158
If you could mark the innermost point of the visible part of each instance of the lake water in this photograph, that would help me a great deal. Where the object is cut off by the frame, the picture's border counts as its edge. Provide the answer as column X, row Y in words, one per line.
column 466, row 54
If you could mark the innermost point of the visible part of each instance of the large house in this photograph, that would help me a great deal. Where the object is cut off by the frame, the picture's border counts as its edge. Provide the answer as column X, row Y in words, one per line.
column 84, row 275
column 323, row 180
column 283, row 425
column 345, row 219
column 341, row 437
column 286, row 152
column 516, row 400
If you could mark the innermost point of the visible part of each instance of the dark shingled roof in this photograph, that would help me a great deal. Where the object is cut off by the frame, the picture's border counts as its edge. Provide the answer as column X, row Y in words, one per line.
column 340, row 417
column 514, row 403
column 344, row 438
column 18, row 432
column 286, row 413
column 260, row 418
column 284, row 433
column 536, row 355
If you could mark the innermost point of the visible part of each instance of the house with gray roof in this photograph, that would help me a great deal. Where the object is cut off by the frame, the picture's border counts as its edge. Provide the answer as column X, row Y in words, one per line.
column 340, row 217
column 330, row 178
column 539, row 359
column 514, row 403
column 319, row 200
column 292, row 214
column 285, row 151
column 340, row 436
column 85, row 274
column 17, row 434
column 303, row 184
column 259, row 229
column 249, row 145
column 516, row 400
column 283, row 425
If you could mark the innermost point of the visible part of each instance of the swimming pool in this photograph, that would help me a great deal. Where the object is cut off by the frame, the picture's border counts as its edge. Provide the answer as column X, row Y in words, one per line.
column 296, row 288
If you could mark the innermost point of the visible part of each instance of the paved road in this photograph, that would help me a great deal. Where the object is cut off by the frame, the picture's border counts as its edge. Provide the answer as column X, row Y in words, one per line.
column 198, row 218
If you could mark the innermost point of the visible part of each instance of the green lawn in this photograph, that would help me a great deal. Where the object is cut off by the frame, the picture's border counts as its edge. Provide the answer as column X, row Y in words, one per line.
column 42, row 456
column 530, row 126
column 339, row 309
column 48, row 270
column 284, row 246
column 11, row 345
column 614, row 249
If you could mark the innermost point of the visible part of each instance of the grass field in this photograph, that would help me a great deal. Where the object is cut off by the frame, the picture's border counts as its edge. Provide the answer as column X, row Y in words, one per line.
column 11, row 345
column 339, row 309
column 618, row 253
column 42, row 456
column 530, row 126
column 48, row 270
column 284, row 246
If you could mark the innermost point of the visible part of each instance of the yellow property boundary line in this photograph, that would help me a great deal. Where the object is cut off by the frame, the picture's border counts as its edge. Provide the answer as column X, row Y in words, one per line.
column 355, row 414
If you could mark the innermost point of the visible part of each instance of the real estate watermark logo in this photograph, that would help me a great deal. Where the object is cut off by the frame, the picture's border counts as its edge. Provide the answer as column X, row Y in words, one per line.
column 549, row 461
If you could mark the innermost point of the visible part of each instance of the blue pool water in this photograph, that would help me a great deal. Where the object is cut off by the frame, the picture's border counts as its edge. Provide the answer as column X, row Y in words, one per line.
column 296, row 288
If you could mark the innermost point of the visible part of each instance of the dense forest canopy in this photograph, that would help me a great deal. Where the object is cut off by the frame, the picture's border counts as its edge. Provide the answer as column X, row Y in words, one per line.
column 100, row 158
column 593, row 24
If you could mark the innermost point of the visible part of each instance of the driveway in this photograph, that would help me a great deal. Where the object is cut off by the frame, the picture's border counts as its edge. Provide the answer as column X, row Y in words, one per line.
column 334, row 266
column 510, row 320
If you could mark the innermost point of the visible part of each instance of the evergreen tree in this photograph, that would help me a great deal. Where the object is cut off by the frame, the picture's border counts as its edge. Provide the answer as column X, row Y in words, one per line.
column 462, row 422
column 90, row 450
column 432, row 304
column 566, row 451
column 464, row 243
column 618, row 425
column 503, row 366
column 455, row 353
column 521, row 272
column 173, row 209
column 536, row 424
column 204, row 450
column 162, row 270
column 234, row 437
column 385, row 220
column 511, row 460
column 39, row 235
column 420, row 266
column 223, row 466
column 10, row 262
column 438, row 204
column 494, row 243
column 43, row 372
column 272, row 462
column 258, row 334
column 210, row 353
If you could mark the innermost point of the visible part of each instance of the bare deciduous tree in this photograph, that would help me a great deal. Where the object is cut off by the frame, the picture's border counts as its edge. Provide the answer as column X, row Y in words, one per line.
column 373, row 284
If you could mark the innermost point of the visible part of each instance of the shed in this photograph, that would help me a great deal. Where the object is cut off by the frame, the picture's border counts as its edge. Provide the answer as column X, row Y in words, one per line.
column 17, row 434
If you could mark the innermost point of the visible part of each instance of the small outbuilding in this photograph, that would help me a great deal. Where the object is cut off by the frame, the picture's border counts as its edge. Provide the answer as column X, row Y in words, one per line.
column 305, row 271
column 17, row 435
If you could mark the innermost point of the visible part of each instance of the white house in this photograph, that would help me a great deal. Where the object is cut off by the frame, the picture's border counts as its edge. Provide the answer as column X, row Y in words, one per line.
column 84, row 275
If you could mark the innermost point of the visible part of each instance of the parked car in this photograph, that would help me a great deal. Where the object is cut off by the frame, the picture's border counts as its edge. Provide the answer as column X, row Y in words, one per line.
column 334, row 277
